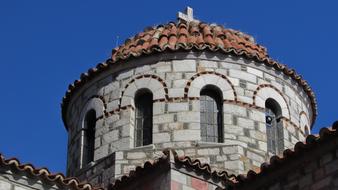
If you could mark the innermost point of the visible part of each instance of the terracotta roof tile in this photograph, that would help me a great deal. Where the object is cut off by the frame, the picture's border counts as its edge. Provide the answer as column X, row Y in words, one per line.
column 45, row 174
column 199, row 167
column 185, row 37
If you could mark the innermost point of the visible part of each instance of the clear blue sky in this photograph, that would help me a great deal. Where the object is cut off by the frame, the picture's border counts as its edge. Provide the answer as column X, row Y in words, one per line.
column 45, row 45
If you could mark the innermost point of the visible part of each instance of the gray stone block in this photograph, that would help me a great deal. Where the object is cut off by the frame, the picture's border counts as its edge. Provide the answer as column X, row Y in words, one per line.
column 208, row 151
column 110, row 137
column 254, row 156
column 184, row 135
column 180, row 83
column 176, row 92
column 143, row 69
column 208, row 64
column 234, row 109
column 243, row 75
column 136, row 155
column 234, row 165
column 161, row 137
column 125, row 74
column 188, row 117
column 184, row 65
column 255, row 72
column 178, row 107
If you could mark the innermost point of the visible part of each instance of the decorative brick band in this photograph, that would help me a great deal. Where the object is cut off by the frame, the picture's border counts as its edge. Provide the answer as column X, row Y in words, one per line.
column 186, row 98
column 176, row 99
column 274, row 88
column 159, row 79
column 107, row 114
column 187, row 87
column 243, row 104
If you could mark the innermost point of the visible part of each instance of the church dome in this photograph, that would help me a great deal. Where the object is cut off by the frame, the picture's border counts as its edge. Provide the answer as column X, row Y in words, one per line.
column 209, row 91
column 184, row 36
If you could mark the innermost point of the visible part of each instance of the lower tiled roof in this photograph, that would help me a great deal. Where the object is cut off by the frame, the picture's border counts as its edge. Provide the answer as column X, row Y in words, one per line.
column 231, row 181
column 164, row 163
column 44, row 174
column 198, row 166
column 312, row 142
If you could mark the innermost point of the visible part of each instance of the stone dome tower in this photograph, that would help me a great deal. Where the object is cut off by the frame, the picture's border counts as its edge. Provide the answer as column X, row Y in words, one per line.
column 209, row 92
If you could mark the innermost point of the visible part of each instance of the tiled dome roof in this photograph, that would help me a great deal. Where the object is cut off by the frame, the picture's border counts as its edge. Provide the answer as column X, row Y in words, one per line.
column 187, row 36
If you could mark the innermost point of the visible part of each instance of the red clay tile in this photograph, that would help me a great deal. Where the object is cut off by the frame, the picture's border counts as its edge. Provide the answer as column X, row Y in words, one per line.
column 163, row 41
column 172, row 41
column 199, row 40
column 182, row 39
column 192, row 39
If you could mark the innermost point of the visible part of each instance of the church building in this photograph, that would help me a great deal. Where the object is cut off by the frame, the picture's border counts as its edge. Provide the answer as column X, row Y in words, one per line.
column 189, row 105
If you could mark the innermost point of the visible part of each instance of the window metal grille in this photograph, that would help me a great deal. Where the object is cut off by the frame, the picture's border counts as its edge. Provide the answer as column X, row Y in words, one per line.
column 211, row 116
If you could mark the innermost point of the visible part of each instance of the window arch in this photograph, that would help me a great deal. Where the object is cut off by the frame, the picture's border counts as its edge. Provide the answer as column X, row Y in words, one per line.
column 89, row 136
column 211, row 113
column 274, row 127
column 143, row 117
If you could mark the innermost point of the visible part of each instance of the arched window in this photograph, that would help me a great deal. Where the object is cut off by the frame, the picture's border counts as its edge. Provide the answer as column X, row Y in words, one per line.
column 143, row 118
column 307, row 131
column 89, row 136
column 211, row 108
column 274, row 127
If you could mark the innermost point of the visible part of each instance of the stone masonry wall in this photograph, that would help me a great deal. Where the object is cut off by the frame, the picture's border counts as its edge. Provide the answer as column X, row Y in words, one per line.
column 176, row 81
column 100, row 173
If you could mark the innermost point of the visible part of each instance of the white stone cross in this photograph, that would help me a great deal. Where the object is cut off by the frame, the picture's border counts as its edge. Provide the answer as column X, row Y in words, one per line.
column 188, row 16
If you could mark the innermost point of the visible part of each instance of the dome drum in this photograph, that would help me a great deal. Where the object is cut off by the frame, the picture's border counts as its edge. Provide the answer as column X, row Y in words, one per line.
column 176, row 84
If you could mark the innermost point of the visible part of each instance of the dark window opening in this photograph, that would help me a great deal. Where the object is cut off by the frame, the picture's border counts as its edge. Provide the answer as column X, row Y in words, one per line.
column 143, row 118
column 89, row 134
column 211, row 113
column 274, row 127
column 307, row 131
